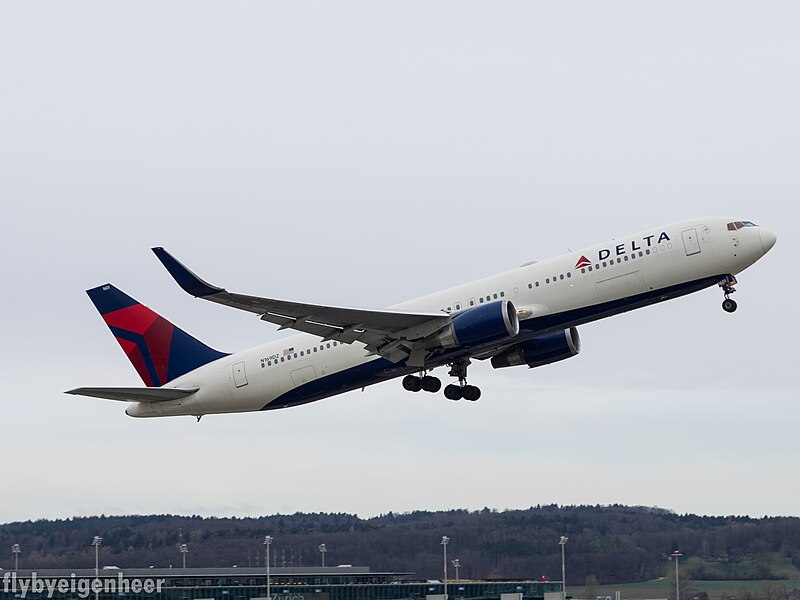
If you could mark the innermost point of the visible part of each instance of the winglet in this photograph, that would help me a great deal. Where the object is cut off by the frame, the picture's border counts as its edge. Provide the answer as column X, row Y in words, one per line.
column 190, row 282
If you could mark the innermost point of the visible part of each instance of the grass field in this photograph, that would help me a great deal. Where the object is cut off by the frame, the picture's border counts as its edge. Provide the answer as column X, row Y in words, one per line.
column 661, row 588
column 772, row 563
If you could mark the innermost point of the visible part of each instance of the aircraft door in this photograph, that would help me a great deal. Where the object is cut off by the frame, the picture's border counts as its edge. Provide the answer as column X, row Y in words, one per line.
column 690, row 241
column 303, row 375
column 239, row 375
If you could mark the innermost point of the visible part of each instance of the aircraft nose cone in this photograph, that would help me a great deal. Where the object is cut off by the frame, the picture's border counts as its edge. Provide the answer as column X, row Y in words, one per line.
column 768, row 239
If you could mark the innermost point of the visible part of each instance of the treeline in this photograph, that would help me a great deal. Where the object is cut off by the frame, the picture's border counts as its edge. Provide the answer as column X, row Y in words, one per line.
column 611, row 544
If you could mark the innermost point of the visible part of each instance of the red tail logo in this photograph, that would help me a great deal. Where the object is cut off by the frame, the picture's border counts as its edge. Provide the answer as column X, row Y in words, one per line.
column 159, row 351
column 582, row 262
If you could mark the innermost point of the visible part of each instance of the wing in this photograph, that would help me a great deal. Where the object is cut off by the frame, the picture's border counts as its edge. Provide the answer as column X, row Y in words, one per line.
column 134, row 394
column 392, row 334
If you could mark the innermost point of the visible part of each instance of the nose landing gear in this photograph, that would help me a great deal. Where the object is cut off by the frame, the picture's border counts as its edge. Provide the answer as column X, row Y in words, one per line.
column 728, row 305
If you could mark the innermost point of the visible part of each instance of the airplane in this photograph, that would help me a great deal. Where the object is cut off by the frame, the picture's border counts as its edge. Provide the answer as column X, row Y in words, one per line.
column 526, row 316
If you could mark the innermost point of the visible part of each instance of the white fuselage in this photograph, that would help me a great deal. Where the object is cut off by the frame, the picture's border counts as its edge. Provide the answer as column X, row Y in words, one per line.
column 549, row 295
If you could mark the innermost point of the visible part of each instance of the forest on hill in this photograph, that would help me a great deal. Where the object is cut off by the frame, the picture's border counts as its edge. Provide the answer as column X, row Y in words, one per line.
column 607, row 544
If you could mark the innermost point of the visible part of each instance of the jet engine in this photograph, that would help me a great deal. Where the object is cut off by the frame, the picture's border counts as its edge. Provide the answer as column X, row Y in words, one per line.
column 481, row 325
column 542, row 350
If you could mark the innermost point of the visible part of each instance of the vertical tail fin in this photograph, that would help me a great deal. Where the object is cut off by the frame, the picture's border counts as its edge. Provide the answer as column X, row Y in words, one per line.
column 158, row 350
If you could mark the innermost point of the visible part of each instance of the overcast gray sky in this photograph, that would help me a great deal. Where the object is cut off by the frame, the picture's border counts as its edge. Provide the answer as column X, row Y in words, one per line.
column 366, row 153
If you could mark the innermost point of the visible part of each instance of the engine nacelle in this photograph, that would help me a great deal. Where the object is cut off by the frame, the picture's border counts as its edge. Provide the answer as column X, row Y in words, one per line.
column 481, row 325
column 542, row 350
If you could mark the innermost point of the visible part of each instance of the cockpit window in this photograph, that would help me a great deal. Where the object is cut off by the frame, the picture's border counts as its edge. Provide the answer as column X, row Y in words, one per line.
column 739, row 224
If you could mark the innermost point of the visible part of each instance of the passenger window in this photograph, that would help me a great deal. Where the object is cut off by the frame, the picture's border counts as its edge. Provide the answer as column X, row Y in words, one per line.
column 626, row 257
column 547, row 280
column 495, row 296
column 583, row 269
column 604, row 264
column 281, row 358
column 648, row 251
column 481, row 299
column 569, row 274
column 590, row 267
column 530, row 286
column 537, row 284
column 561, row 276
column 502, row 294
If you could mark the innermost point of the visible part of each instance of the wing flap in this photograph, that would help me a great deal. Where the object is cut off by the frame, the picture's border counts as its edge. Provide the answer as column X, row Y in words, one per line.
column 134, row 394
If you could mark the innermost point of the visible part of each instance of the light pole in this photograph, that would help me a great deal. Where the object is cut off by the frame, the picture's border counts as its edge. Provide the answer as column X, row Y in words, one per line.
column 456, row 565
column 676, row 555
column 563, row 542
column 16, row 552
column 267, row 542
column 96, row 543
column 322, row 551
column 184, row 551
column 445, row 539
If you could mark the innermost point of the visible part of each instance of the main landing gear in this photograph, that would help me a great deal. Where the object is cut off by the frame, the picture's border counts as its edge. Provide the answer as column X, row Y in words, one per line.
column 428, row 383
column 457, row 392
column 462, row 390
column 412, row 383
column 728, row 305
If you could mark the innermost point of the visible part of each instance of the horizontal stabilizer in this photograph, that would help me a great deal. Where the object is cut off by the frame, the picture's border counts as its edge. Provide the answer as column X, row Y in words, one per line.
column 134, row 394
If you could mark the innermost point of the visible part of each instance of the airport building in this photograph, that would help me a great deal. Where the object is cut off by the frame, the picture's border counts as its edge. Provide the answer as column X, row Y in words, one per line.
column 294, row 583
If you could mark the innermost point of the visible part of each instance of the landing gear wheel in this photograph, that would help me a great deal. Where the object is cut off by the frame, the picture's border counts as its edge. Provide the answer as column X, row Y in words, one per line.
column 729, row 305
column 471, row 392
column 453, row 392
column 412, row 383
column 727, row 284
column 462, row 390
column 431, row 384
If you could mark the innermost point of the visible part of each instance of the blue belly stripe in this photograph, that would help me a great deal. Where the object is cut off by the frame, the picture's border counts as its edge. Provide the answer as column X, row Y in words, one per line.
column 382, row 369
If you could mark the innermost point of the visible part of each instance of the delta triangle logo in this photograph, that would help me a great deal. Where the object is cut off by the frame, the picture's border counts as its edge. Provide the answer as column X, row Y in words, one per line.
column 582, row 262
